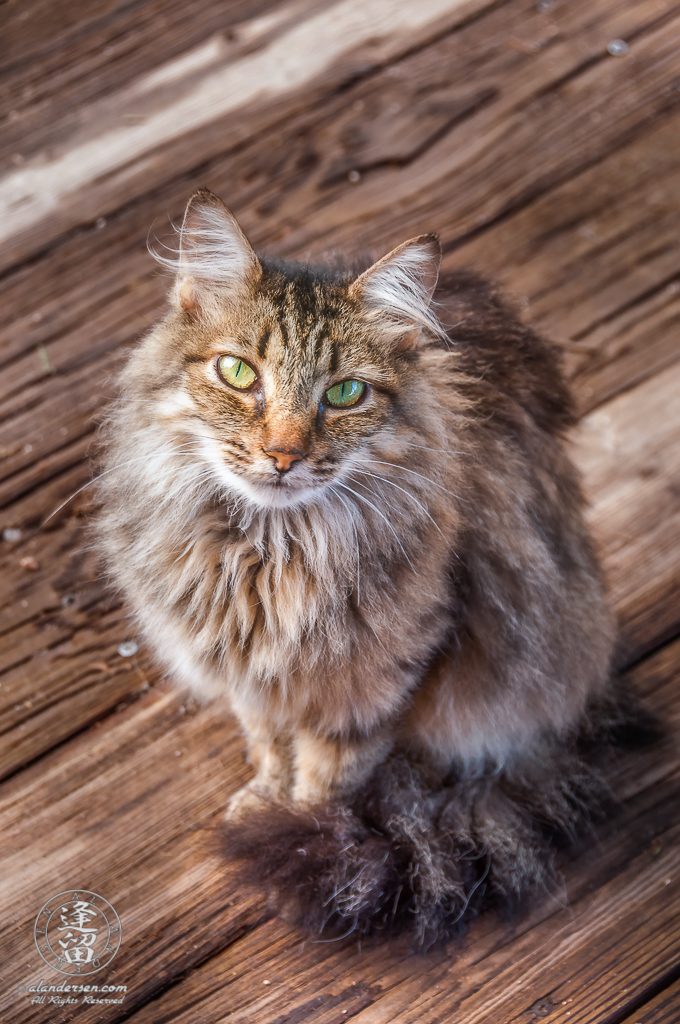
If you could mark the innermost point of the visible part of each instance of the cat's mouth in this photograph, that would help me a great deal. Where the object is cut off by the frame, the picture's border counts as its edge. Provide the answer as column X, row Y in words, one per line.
column 282, row 491
column 267, row 490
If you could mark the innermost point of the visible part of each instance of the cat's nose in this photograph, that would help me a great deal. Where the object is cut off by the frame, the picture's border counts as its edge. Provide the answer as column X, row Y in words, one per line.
column 284, row 460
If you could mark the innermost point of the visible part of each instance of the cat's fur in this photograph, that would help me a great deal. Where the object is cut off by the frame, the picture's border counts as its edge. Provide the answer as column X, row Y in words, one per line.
column 410, row 622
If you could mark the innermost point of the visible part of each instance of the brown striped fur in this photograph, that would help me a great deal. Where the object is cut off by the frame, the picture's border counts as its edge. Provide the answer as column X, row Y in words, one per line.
column 415, row 601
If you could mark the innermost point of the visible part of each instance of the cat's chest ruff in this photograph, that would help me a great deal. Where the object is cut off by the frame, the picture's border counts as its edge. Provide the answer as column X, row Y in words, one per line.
column 279, row 589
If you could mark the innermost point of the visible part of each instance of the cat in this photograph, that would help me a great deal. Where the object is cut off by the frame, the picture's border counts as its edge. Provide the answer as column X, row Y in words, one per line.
column 345, row 507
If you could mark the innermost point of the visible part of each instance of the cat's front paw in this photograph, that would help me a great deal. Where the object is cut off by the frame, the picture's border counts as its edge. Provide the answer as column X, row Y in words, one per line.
column 247, row 799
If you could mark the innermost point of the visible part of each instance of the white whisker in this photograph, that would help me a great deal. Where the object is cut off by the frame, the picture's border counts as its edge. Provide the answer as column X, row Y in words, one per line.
column 420, row 476
column 439, row 451
column 408, row 494
column 112, row 469
column 356, row 539
column 382, row 516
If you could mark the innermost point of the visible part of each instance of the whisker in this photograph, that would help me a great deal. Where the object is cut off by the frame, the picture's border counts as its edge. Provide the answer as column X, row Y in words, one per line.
column 441, row 451
column 408, row 494
column 356, row 540
column 112, row 469
column 420, row 476
column 382, row 516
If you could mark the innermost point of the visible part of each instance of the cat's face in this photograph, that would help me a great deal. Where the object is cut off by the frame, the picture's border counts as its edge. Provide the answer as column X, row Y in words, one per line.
column 289, row 391
column 283, row 378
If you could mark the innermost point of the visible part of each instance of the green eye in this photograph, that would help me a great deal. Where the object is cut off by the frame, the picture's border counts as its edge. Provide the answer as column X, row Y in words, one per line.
column 234, row 371
column 347, row 393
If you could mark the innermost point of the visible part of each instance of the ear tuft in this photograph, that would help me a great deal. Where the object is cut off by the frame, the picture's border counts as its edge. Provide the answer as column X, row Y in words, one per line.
column 397, row 290
column 216, row 260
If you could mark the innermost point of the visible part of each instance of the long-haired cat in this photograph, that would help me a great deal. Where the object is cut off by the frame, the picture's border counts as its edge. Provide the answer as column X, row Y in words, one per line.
column 347, row 509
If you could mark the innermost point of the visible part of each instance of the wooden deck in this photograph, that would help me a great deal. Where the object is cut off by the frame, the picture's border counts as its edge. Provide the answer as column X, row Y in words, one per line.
column 540, row 157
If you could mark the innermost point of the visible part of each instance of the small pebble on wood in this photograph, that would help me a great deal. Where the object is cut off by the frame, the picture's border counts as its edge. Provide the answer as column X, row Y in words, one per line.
column 127, row 649
column 617, row 47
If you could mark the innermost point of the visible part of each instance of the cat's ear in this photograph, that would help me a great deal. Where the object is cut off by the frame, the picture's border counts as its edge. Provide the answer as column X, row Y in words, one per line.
column 216, row 260
column 397, row 290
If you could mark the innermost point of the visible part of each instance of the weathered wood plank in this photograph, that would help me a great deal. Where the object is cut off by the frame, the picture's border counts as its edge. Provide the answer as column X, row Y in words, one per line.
column 261, row 172
column 596, row 262
column 628, row 930
column 67, row 53
column 560, row 44
column 49, row 416
column 69, row 686
column 179, row 114
column 134, row 797
column 625, row 451
column 538, row 132
column 661, row 1010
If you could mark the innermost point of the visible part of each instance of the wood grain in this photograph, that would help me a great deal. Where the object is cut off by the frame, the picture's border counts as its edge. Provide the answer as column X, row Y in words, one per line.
column 177, row 115
column 634, row 488
column 542, row 159
column 663, row 1008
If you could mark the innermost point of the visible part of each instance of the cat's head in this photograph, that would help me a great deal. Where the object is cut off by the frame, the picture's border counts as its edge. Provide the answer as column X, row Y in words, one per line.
column 284, row 375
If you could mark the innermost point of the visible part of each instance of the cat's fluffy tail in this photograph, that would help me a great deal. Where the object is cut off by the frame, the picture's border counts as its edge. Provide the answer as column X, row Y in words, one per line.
column 407, row 856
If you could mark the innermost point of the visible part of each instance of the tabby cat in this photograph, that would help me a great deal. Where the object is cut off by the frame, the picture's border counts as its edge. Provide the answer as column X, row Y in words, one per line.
column 346, row 508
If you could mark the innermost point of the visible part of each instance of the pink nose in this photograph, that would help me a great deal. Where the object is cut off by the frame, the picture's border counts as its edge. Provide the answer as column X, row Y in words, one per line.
column 284, row 460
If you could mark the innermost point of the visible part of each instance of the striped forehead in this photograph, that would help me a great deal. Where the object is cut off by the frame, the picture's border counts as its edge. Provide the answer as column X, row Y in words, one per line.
column 292, row 344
